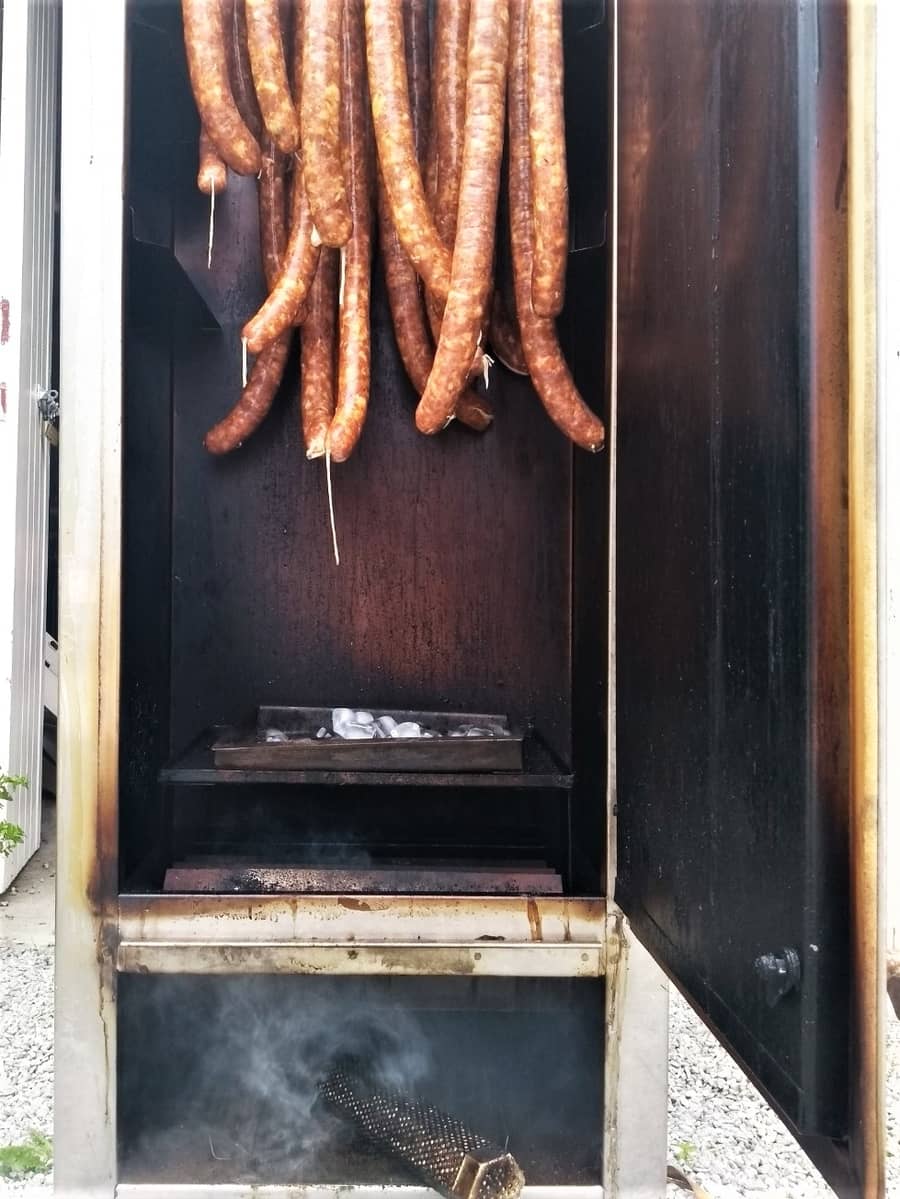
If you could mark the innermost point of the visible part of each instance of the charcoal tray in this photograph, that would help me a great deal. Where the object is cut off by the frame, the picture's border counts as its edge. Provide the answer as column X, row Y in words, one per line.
column 246, row 747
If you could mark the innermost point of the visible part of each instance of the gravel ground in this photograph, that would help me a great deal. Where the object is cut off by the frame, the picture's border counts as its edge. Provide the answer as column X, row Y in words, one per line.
column 26, row 1054
column 725, row 1138
column 720, row 1131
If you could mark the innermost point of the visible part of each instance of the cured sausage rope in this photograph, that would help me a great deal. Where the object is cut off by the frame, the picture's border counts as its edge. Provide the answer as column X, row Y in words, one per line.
column 404, row 295
column 261, row 387
column 547, row 138
column 389, row 88
column 317, row 345
column 267, row 61
column 204, row 41
column 504, row 337
column 272, row 217
column 239, row 70
column 546, row 365
column 476, row 216
column 290, row 290
column 320, row 121
column 354, row 349
column 212, row 177
column 410, row 329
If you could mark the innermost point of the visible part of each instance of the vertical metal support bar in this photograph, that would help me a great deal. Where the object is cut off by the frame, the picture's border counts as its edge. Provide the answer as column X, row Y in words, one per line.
column 887, row 202
column 93, row 121
column 636, row 1090
column 867, row 1102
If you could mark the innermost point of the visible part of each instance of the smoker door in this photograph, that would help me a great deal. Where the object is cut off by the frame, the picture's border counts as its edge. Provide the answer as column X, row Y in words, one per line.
column 733, row 665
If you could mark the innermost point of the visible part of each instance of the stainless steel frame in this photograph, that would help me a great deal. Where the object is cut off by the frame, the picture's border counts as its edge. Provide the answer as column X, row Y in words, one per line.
column 99, row 933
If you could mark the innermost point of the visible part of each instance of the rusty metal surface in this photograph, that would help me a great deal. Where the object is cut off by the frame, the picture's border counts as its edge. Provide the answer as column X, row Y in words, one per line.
column 333, row 919
column 476, row 959
column 387, row 880
column 92, row 152
column 867, row 1108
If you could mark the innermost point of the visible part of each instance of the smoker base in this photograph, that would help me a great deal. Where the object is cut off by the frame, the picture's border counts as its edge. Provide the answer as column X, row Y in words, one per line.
column 137, row 1190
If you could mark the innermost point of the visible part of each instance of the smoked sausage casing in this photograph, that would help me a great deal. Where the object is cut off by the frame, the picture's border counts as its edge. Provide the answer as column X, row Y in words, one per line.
column 320, row 121
column 212, row 175
column 292, row 286
column 267, row 62
column 543, row 356
column 255, row 401
column 317, row 355
column 272, row 215
column 204, row 42
column 354, row 346
column 392, row 119
column 547, row 138
column 473, row 252
column 240, row 72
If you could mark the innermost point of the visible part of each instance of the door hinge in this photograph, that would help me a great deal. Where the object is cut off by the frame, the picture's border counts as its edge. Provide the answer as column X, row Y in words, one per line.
column 48, row 407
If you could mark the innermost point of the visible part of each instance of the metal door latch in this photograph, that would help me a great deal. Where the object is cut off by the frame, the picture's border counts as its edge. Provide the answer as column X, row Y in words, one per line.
column 779, row 973
column 48, row 407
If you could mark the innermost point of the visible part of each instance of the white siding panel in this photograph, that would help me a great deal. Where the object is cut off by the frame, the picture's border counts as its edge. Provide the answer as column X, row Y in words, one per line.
column 28, row 163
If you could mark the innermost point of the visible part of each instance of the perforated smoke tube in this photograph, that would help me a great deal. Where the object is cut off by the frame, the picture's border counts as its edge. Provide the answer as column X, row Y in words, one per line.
column 448, row 1156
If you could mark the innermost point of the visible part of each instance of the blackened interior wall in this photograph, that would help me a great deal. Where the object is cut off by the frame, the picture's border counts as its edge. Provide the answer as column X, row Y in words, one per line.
column 461, row 555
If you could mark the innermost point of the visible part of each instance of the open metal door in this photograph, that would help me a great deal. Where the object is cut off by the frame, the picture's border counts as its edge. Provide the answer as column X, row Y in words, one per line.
column 28, row 157
column 744, row 537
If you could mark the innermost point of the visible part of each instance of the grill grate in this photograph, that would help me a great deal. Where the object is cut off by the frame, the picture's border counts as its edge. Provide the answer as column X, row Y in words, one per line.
column 449, row 1156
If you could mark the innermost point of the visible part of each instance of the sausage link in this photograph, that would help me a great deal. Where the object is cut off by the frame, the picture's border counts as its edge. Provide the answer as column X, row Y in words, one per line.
column 389, row 88
column 410, row 330
column 451, row 31
column 418, row 70
column 204, row 41
column 266, row 46
column 354, row 343
column 504, row 337
column 292, row 286
column 547, row 137
column 256, row 399
column 240, row 72
column 211, row 170
column 473, row 252
column 317, row 344
column 546, row 365
column 272, row 216
column 320, row 121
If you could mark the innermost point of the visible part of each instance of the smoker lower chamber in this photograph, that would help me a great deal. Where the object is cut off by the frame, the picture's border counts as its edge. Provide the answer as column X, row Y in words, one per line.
column 221, row 1080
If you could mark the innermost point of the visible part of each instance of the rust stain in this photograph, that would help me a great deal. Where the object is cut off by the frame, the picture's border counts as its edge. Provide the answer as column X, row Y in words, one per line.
column 354, row 905
column 4, row 321
column 534, row 920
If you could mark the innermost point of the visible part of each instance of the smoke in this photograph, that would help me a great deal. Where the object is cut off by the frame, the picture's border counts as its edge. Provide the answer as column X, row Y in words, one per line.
column 236, row 1088
column 219, row 1075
